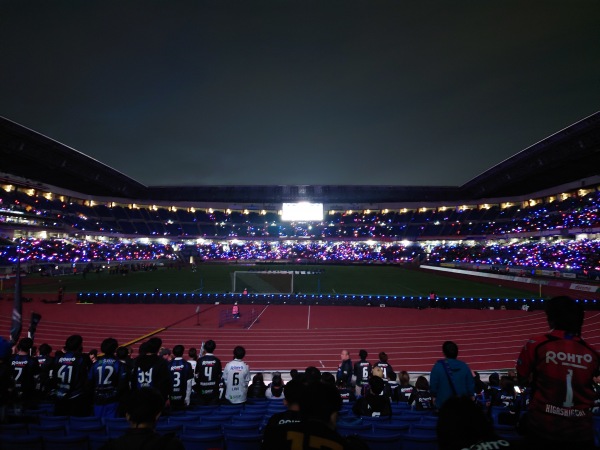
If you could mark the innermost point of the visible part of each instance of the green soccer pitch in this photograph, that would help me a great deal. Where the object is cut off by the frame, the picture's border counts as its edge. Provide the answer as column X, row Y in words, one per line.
column 216, row 278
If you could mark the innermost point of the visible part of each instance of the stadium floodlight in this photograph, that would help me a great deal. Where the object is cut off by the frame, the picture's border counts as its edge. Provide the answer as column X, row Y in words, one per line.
column 302, row 212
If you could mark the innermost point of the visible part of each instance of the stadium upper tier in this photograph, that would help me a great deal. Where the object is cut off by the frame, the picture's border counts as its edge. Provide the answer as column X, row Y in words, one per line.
column 574, row 213
column 30, row 159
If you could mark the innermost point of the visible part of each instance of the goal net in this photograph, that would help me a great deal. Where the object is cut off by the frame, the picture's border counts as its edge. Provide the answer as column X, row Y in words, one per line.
column 274, row 282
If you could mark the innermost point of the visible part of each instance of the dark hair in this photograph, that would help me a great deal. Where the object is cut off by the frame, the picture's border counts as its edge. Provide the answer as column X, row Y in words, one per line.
column 94, row 352
column 293, row 391
column 258, row 378
column 74, row 343
column 422, row 383
column 494, row 379
column 239, row 352
column 178, row 351
column 192, row 353
column 363, row 354
column 319, row 401
column 312, row 374
column 143, row 405
column 383, row 357
column 153, row 345
column 109, row 346
column 563, row 313
column 461, row 424
column 327, row 377
column 404, row 377
column 450, row 349
column 45, row 349
column 25, row 345
column 122, row 352
column 376, row 385
column 293, row 373
column 209, row 346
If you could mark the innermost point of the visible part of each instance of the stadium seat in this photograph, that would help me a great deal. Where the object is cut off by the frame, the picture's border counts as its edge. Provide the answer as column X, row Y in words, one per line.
column 47, row 430
column 88, row 429
column 382, row 441
column 216, row 418
column 392, row 427
column 163, row 428
column 182, row 420
column 423, row 428
column 54, row 420
column 241, row 428
column 244, row 418
column 346, row 429
column 199, row 428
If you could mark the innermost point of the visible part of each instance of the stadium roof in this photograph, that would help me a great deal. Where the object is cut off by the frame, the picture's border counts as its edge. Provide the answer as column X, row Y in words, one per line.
column 567, row 156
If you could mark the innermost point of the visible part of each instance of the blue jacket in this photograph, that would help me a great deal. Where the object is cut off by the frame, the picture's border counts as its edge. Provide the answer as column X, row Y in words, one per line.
column 440, row 386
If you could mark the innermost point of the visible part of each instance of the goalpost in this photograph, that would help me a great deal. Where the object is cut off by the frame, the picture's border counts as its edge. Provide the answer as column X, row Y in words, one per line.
column 268, row 282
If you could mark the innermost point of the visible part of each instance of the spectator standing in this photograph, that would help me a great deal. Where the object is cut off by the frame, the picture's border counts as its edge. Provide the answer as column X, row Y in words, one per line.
column 345, row 369
column 362, row 372
column 151, row 370
column 182, row 377
column 25, row 369
column 384, row 365
column 108, row 380
column 450, row 377
column 46, row 361
column 560, row 367
column 71, row 371
column 236, row 376
column 208, row 375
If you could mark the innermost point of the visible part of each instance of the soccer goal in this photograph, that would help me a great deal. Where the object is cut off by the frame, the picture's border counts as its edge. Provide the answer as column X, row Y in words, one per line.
column 268, row 282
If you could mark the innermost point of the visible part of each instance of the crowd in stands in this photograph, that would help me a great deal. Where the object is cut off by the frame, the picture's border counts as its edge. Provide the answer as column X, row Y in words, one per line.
column 576, row 256
column 71, row 217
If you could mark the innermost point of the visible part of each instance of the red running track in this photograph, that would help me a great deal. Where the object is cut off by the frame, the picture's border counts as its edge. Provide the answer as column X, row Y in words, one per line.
column 286, row 337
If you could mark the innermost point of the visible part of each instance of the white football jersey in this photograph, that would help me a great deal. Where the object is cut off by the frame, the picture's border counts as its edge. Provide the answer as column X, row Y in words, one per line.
column 236, row 376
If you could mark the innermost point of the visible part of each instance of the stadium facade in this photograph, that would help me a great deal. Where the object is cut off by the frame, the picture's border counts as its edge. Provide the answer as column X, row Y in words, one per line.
column 565, row 164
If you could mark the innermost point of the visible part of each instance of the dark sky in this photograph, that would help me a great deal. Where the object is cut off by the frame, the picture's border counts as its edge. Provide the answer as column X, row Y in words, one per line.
column 178, row 92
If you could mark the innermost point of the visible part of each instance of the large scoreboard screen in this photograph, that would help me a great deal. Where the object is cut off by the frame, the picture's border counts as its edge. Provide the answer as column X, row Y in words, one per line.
column 302, row 212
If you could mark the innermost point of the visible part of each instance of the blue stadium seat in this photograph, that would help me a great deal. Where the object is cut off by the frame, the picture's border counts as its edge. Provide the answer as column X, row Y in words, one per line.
column 382, row 441
column 47, row 430
column 163, row 428
column 199, row 428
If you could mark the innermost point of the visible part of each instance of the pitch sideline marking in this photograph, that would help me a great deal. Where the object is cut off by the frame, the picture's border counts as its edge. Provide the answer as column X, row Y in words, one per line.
column 258, row 317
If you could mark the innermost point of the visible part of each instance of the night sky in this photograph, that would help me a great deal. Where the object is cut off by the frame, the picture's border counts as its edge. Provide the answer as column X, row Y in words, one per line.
column 179, row 92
